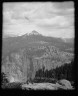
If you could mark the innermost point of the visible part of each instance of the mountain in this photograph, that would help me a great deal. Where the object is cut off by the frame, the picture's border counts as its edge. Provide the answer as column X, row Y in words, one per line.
column 22, row 56
column 34, row 33
column 33, row 39
column 68, row 40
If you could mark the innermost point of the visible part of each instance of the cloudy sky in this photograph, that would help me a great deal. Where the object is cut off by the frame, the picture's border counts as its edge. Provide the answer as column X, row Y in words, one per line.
column 48, row 18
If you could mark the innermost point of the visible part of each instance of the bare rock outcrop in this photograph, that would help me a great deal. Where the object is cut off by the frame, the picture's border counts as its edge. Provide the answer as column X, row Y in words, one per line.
column 65, row 83
column 22, row 64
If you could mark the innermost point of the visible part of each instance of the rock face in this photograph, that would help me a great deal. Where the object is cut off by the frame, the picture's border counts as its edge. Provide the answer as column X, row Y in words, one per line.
column 21, row 65
column 18, row 67
column 48, row 86
column 66, row 83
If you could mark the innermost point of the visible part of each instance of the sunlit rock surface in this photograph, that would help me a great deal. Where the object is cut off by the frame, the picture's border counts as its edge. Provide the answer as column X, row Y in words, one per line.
column 45, row 86
column 66, row 83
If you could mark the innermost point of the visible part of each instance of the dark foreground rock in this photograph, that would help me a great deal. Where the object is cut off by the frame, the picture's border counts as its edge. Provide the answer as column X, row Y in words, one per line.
column 12, row 86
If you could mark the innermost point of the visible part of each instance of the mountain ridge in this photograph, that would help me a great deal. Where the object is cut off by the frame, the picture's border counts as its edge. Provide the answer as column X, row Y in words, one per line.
column 33, row 32
column 33, row 40
column 22, row 56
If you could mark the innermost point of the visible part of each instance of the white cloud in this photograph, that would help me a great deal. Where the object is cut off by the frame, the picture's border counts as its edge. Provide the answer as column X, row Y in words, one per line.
column 20, row 18
column 60, row 21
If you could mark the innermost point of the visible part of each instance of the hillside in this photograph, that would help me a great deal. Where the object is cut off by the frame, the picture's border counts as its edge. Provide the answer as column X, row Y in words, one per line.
column 32, row 39
column 24, row 55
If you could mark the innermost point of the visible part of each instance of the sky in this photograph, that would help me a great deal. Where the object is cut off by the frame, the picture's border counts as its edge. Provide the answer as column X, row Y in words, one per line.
column 54, row 19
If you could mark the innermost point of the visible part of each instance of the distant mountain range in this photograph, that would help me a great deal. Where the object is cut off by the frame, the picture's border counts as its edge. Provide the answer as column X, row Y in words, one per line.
column 68, row 40
column 34, row 37
column 31, row 33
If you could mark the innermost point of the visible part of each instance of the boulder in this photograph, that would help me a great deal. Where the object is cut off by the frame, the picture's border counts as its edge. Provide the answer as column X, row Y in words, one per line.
column 65, row 83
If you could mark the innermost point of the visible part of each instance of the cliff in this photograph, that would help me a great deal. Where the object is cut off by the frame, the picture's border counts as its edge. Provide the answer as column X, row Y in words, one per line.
column 21, row 65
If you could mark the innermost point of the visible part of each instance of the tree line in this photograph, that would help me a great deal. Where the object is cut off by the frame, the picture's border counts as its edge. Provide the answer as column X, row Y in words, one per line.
column 65, row 71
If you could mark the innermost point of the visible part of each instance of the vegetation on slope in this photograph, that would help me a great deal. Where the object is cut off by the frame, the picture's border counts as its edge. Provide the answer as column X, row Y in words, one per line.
column 65, row 71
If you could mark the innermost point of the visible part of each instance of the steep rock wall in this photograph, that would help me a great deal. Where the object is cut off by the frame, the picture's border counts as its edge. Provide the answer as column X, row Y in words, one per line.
column 21, row 65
